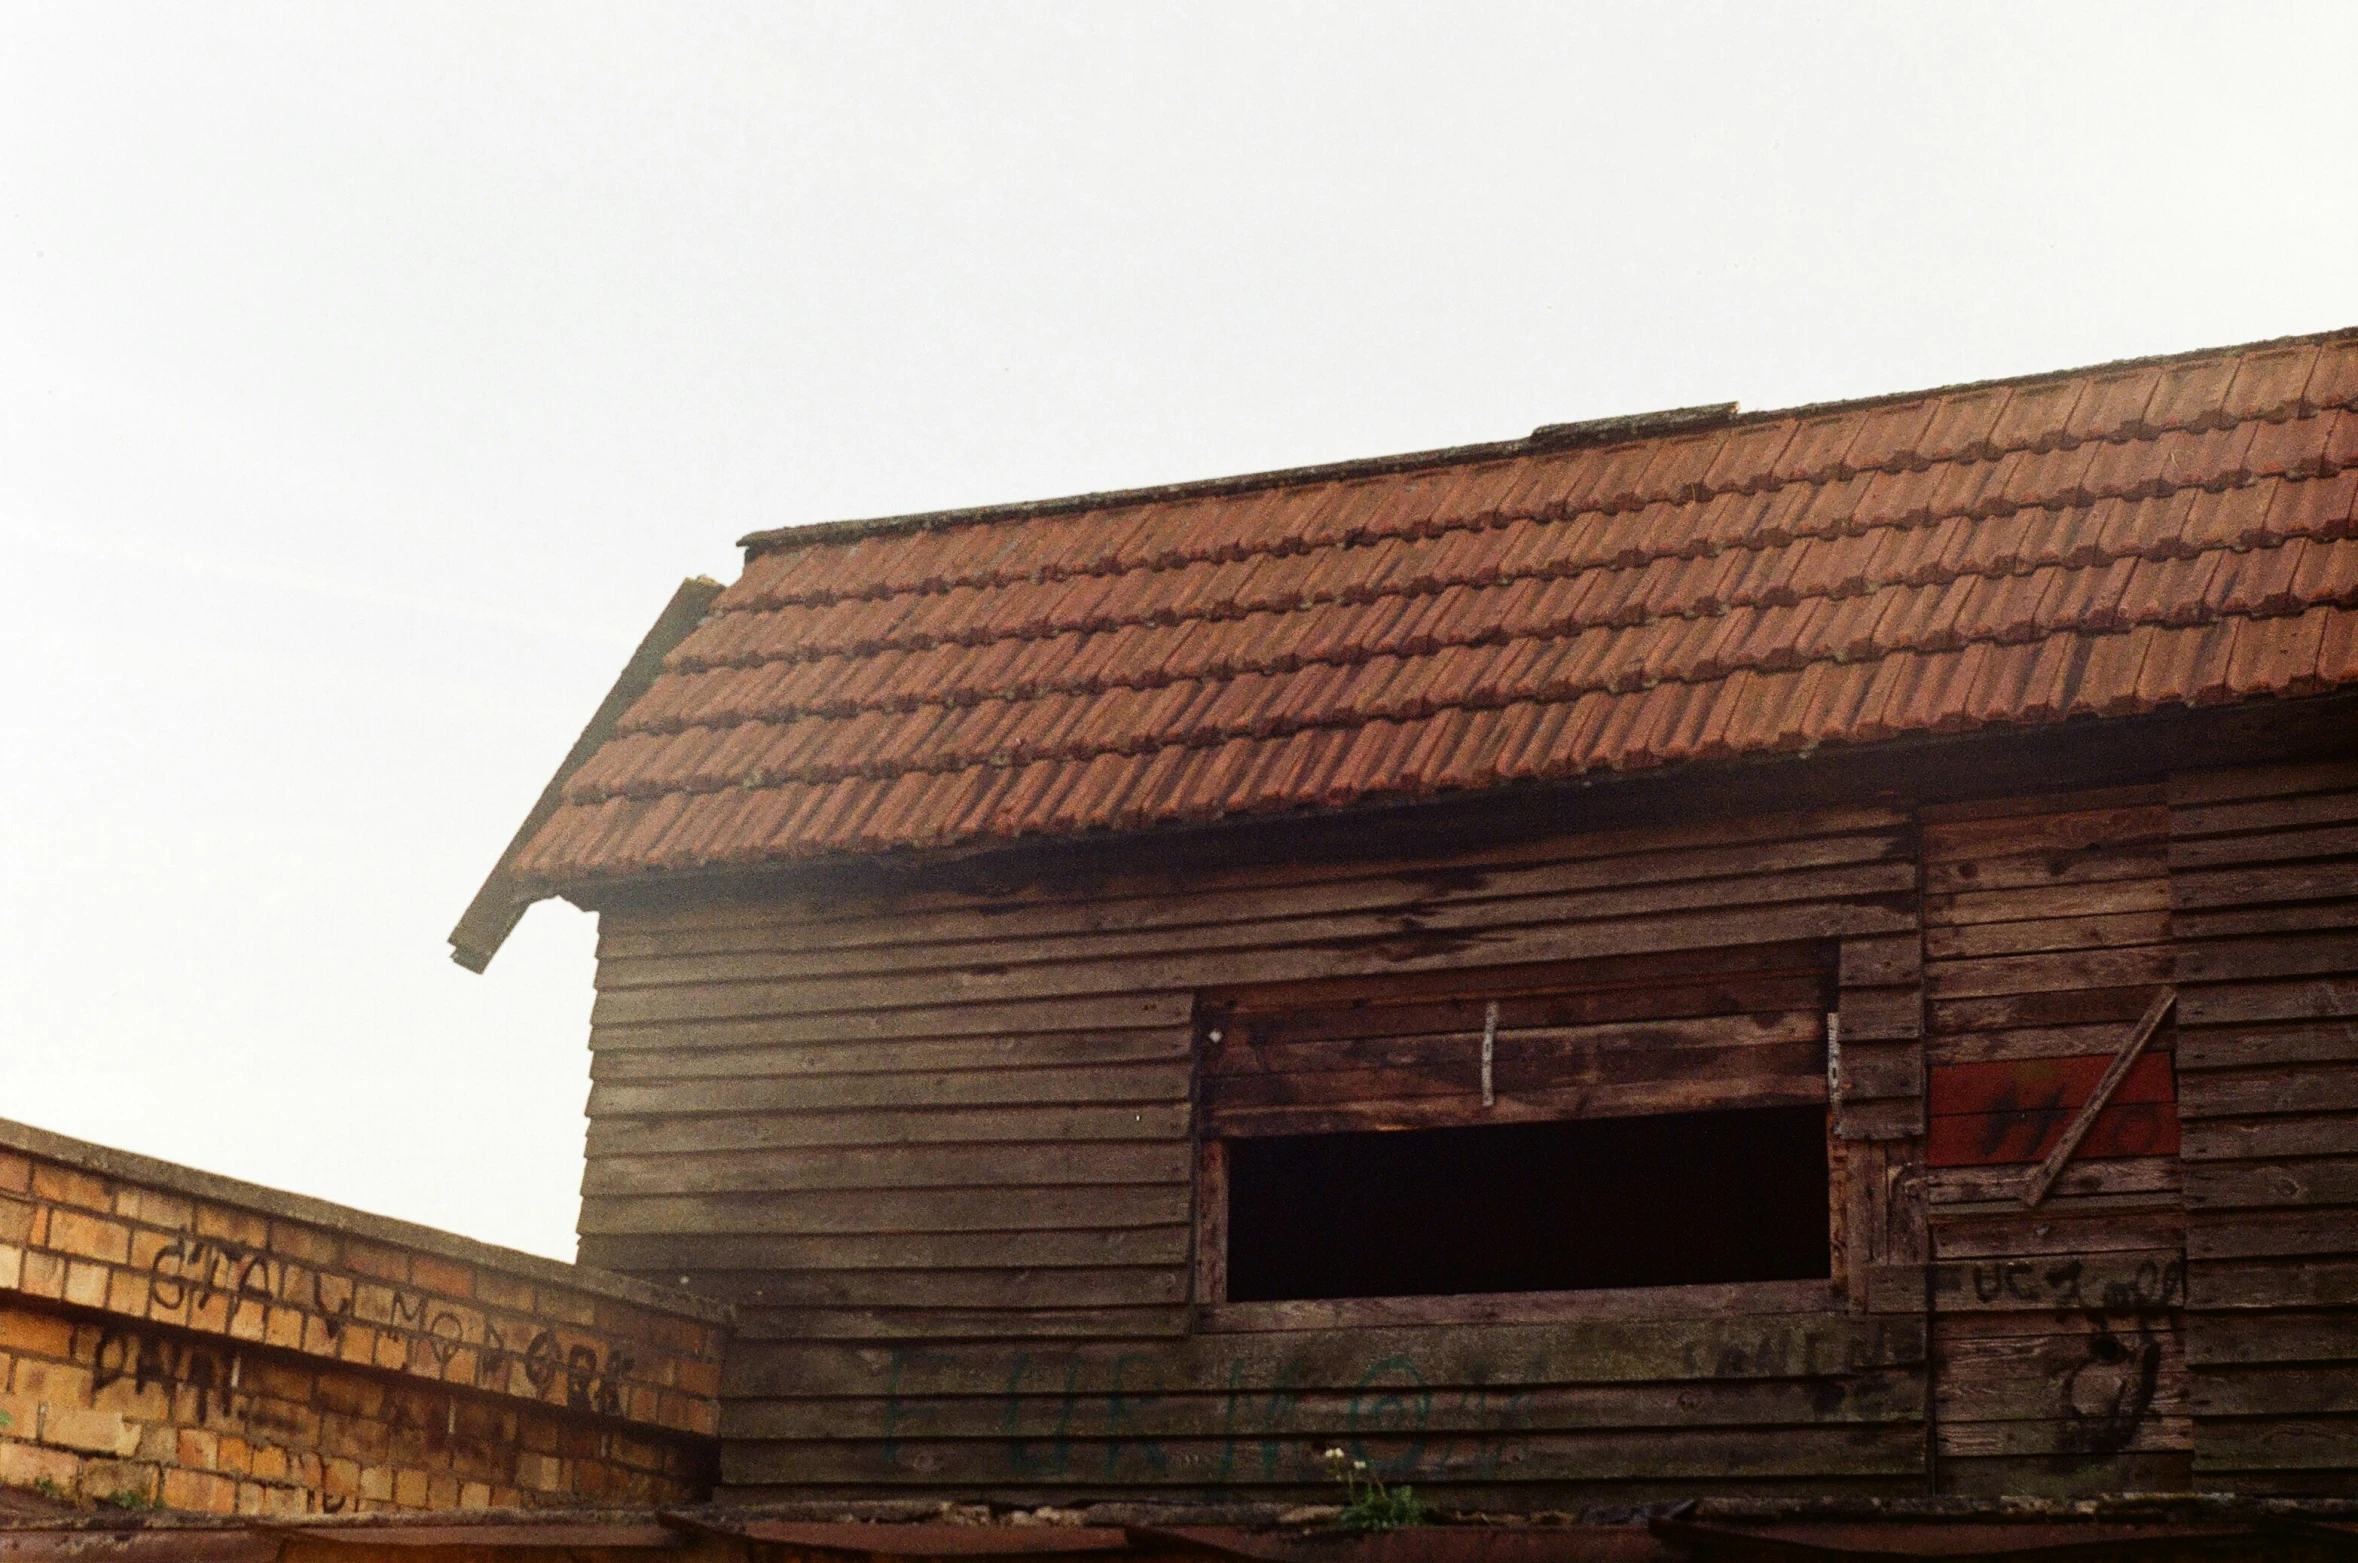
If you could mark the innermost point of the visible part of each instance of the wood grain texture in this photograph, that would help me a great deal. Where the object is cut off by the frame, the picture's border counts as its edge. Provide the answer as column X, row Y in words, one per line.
column 2058, row 1331
column 949, row 1155
column 2264, row 879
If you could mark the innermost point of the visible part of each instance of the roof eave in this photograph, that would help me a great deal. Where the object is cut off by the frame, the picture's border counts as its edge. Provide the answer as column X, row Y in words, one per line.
column 502, row 901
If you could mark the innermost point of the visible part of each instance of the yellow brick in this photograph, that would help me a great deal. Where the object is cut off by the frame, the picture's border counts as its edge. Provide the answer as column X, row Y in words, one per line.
column 475, row 1495
column 268, row 1463
column 504, row 1291
column 376, row 1481
column 21, row 1465
column 469, row 1322
column 16, row 1221
column 410, row 1489
column 44, row 1275
column 16, row 1173
column 248, row 1317
column 199, row 1491
column 317, row 1339
column 92, row 1432
column 126, row 1394
column 126, row 1292
column 284, row 1327
column 199, row 1449
column 208, row 1311
column 146, row 1245
column 71, row 1186
column 12, row 1266
column 340, row 1479
column 386, row 1264
column 156, row 1208
column 285, row 1500
column 392, row 1351
column 297, row 1241
column 234, row 1455
column 442, row 1492
column 89, row 1237
column 443, row 1277
column 116, row 1479
column 59, row 1383
column 239, row 1226
column 571, row 1307
column 85, row 1283
column 373, row 1303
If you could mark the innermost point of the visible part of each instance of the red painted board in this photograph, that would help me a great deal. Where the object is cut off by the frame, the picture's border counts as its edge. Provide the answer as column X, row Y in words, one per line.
column 2039, row 1084
column 1988, row 1139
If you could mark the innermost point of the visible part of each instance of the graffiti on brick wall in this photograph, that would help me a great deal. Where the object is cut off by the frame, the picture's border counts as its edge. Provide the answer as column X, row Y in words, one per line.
column 197, row 1272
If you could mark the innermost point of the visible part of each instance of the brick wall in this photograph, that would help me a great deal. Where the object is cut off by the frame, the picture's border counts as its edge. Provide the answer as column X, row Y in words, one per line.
column 172, row 1338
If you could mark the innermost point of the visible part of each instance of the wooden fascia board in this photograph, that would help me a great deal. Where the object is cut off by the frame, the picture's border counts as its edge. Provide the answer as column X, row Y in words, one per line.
column 502, row 901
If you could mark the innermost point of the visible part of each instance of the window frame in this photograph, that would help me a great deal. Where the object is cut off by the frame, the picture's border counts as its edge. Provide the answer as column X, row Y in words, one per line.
column 1214, row 1313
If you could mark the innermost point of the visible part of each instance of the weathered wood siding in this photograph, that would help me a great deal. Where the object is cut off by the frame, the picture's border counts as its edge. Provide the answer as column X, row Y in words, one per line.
column 946, row 1151
column 941, row 1150
column 2060, row 1364
column 2264, row 890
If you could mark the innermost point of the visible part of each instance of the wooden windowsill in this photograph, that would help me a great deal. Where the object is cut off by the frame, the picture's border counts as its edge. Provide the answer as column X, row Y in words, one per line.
column 1637, row 1302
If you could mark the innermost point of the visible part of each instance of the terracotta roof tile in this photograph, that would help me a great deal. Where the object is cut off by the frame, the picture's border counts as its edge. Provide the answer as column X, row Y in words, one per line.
column 2175, row 531
column 1961, row 426
column 2334, row 380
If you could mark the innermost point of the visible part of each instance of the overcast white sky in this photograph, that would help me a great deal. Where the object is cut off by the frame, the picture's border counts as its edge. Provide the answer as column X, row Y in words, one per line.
column 369, row 375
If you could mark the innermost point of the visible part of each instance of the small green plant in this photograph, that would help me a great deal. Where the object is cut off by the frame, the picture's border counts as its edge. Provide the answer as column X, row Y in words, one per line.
column 1368, row 1504
column 133, row 1499
column 47, row 1487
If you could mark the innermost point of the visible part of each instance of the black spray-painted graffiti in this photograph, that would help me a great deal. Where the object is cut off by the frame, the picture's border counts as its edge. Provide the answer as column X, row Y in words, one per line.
column 198, row 1272
column 2106, row 1395
column 212, row 1381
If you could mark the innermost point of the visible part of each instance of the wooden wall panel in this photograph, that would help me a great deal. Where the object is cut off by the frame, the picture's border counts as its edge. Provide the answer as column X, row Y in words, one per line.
column 2057, row 1330
column 942, row 1148
column 2264, row 889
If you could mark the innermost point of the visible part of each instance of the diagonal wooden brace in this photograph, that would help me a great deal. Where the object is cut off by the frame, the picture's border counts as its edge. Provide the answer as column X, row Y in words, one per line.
column 2043, row 1176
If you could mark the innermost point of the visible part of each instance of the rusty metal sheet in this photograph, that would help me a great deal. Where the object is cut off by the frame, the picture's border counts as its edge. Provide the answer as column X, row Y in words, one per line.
column 932, row 1541
column 146, row 1544
column 560, row 1534
column 1893, row 1541
column 1422, row 1544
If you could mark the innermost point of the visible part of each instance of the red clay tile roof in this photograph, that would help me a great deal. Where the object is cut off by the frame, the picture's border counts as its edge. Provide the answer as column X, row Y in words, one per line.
column 2104, row 541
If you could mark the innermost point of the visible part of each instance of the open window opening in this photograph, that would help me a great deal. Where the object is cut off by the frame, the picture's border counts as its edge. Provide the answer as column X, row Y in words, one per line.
column 1604, row 1124
column 1669, row 1200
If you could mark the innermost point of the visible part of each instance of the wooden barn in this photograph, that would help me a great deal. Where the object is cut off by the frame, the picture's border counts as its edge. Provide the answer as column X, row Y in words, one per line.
column 1795, row 953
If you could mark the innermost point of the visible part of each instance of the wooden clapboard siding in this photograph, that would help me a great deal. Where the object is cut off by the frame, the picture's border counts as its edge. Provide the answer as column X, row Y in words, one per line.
column 2060, row 1358
column 1699, row 1397
column 1617, row 1037
column 940, row 1147
column 2264, row 886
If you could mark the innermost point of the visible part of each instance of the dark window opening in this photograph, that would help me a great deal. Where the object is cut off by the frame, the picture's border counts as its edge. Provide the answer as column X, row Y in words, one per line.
column 1677, row 1199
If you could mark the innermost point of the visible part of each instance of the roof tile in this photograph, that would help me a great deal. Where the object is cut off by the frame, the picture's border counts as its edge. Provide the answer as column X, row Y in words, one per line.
column 2177, row 531
column 2112, row 407
column 2192, row 393
column 2269, row 382
column 2334, row 380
